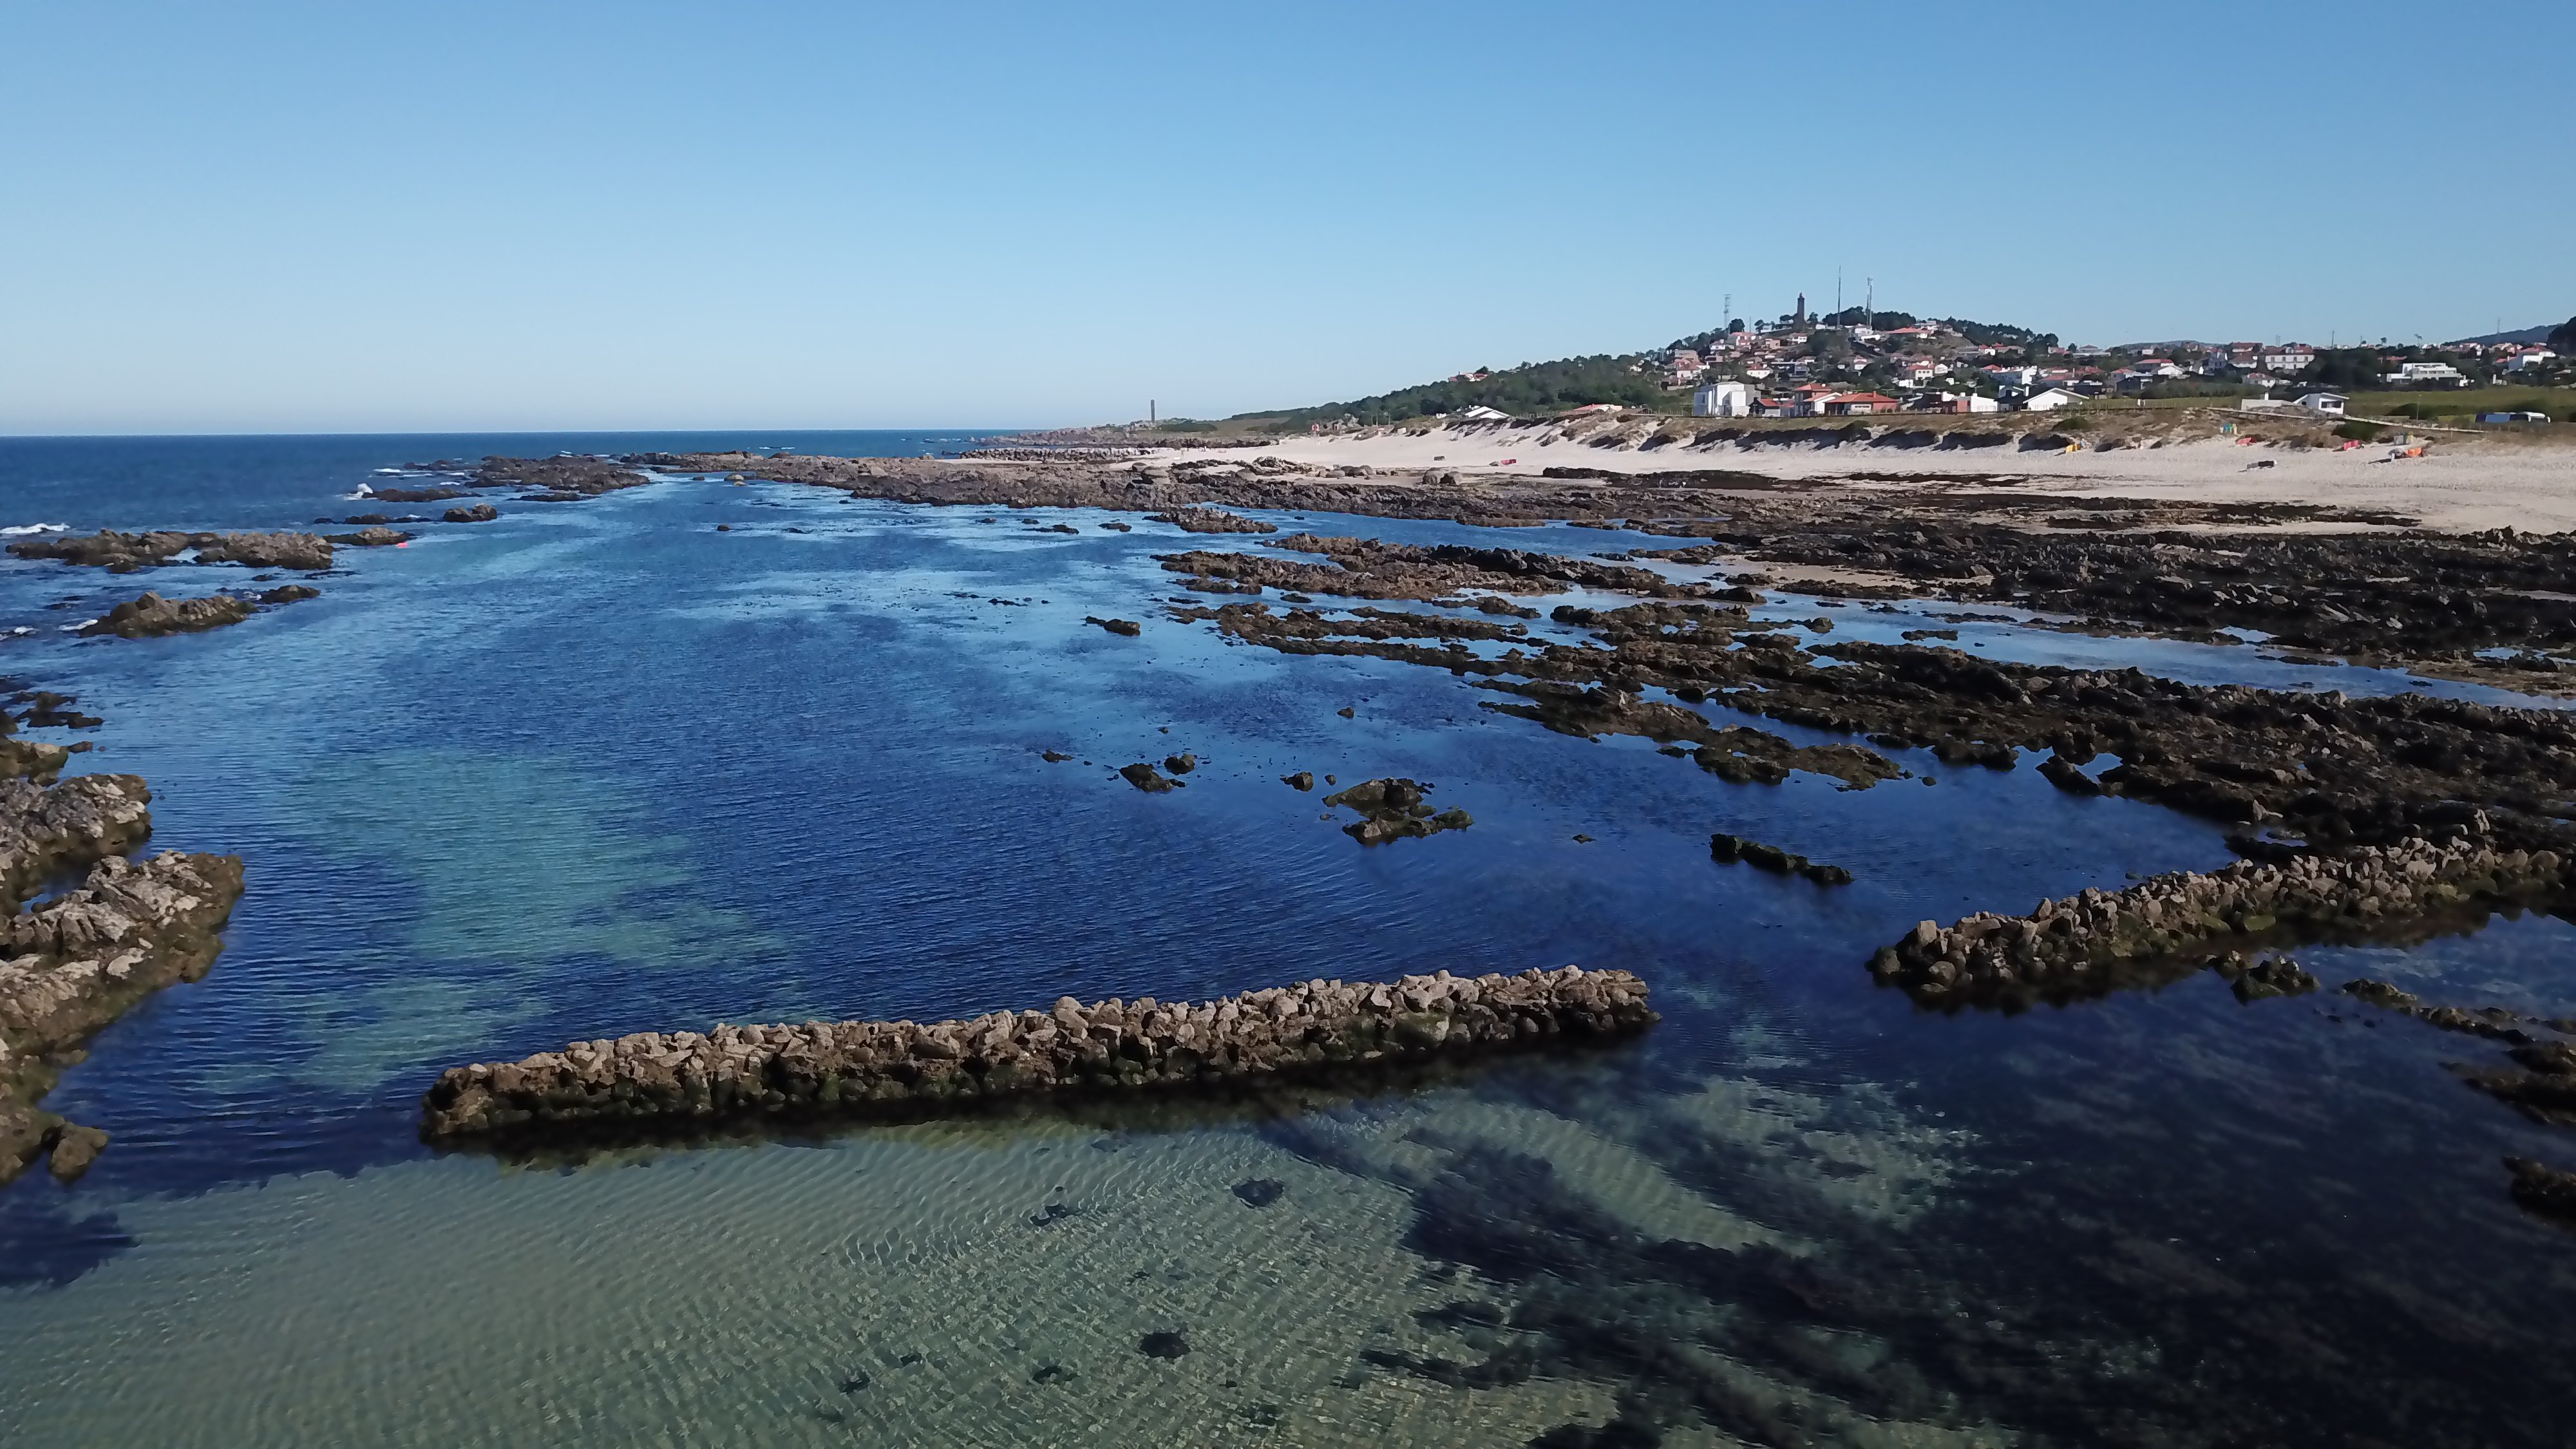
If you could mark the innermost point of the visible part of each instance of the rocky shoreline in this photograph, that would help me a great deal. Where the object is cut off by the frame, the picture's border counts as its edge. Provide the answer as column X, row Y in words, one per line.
column 2365, row 584
column 72, row 964
column 858, row 1067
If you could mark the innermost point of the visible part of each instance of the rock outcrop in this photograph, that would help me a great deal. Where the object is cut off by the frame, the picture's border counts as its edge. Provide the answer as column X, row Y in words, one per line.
column 371, row 537
column 1211, row 520
column 1727, row 849
column 81, row 960
column 473, row 513
column 826, row 1068
column 559, row 479
column 1146, row 778
column 152, row 615
column 128, row 552
column 1393, row 809
column 82, row 819
column 2086, row 938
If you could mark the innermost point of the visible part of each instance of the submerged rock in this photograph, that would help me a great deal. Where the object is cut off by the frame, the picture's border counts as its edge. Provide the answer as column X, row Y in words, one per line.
column 1128, row 627
column 1728, row 849
column 824, row 1068
column 2543, row 1189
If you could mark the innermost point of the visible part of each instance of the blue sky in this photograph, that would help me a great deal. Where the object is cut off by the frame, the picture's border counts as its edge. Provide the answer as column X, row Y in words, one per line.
column 336, row 217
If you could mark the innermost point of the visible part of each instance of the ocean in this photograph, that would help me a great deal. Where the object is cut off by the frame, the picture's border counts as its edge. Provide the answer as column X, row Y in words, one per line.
column 600, row 767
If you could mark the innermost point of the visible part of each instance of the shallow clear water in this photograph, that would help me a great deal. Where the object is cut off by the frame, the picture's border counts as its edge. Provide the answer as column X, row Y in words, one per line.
column 599, row 768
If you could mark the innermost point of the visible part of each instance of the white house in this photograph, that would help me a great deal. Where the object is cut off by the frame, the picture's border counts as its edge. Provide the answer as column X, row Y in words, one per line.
column 2425, row 372
column 2049, row 400
column 2529, row 357
column 1723, row 400
column 2324, row 404
column 2294, row 358
column 1482, row 414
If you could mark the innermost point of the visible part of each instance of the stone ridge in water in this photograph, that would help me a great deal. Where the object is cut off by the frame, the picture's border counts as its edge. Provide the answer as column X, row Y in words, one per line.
column 2083, row 938
column 851, row 1066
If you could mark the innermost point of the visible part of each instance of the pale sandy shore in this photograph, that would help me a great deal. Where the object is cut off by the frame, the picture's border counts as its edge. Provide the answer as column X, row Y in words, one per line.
column 2460, row 485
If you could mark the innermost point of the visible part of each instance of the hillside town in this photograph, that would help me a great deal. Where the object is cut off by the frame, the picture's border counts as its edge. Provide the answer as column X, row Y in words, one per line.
column 1858, row 363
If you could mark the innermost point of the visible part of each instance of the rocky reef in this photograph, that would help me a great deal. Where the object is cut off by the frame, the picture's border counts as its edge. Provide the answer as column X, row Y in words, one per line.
column 152, row 615
column 558, row 480
column 76, row 962
column 1366, row 568
column 826, row 1068
column 472, row 513
column 2090, row 940
column 372, row 536
column 88, row 817
column 130, row 552
column 1727, row 849
column 1211, row 520
column 1393, row 809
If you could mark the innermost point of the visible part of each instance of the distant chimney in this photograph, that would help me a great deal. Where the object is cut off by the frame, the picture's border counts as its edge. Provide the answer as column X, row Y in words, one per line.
column 1799, row 317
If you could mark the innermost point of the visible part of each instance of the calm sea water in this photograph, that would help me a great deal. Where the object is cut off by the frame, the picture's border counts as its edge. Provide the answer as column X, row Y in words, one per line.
column 598, row 768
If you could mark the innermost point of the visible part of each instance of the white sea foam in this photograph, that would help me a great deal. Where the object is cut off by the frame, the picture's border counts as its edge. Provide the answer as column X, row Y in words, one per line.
column 23, row 529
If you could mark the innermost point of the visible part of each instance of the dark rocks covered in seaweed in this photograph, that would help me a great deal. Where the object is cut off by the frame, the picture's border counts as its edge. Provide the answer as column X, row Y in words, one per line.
column 1728, row 849
column 472, row 513
column 1371, row 569
column 2324, row 768
column 1211, row 520
column 2263, row 977
column 1394, row 809
column 826, row 1068
column 289, row 594
column 2543, row 1189
column 1128, row 627
column 1146, row 778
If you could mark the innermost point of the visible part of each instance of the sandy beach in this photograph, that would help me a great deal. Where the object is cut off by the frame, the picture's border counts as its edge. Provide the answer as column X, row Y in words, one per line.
column 2461, row 484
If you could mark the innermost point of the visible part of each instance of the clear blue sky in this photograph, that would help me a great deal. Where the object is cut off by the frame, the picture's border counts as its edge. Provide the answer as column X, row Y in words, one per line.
column 324, row 217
